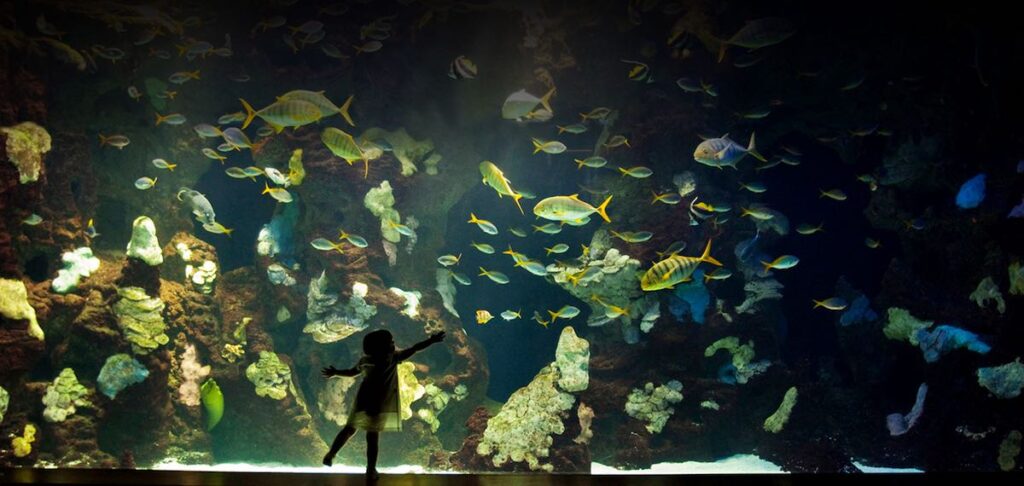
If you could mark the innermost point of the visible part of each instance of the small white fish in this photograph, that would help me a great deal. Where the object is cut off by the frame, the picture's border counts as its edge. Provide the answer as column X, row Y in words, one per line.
column 143, row 183
column 275, row 176
column 163, row 164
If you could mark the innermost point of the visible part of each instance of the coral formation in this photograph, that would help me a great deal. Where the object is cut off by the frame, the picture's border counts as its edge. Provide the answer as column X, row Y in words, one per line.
column 613, row 283
column 986, row 291
column 572, row 360
column 446, row 288
column 203, row 276
column 743, row 367
column 411, row 301
column 654, row 404
column 902, row 326
column 14, row 305
column 1009, row 449
column 1004, row 381
column 119, row 372
column 279, row 275
column 4, row 401
column 63, row 396
column 190, row 374
column 757, row 291
column 380, row 201
column 776, row 421
column 900, row 424
column 586, row 416
column 270, row 375
column 26, row 144
column 409, row 388
column 332, row 398
column 328, row 320
column 407, row 150
column 144, row 244
column 22, row 445
column 78, row 264
column 943, row 339
column 140, row 319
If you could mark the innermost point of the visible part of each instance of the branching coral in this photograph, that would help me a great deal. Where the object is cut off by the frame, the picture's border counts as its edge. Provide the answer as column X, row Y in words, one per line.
column 654, row 404
column 63, row 396
column 26, row 144
column 14, row 305
column 140, row 319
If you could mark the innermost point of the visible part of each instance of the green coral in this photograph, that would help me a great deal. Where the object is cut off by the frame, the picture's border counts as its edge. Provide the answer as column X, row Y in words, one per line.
column 1009, row 449
column 654, row 404
column 776, row 421
column 140, row 319
column 63, row 396
column 902, row 326
column 986, row 291
column 26, row 144
column 521, row 431
column 271, row 376
column 742, row 357
column 14, row 305
column 572, row 359
column 409, row 388
column 380, row 201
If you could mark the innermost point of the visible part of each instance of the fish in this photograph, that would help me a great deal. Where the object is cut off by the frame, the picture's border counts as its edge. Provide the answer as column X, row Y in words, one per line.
column 308, row 27
column 746, row 61
column 723, row 152
column 32, row 220
column 569, row 208
column 235, row 137
column 617, row 141
column 520, row 104
column 119, row 141
column 518, row 232
column 401, row 228
column 718, row 274
column 690, row 86
column 758, row 213
column 147, row 36
column 371, row 46
column 312, row 38
column 633, row 236
column 639, row 72
column 666, row 273
column 759, row 33
column 532, row 266
column 853, row 84
column 575, row 128
column 755, row 114
column 484, row 225
column 160, row 53
column 326, row 107
column 510, row 315
column 183, row 77
column 275, row 176
column 638, row 172
column 566, row 312
column 201, row 207
column 783, row 262
column 831, row 303
column 282, row 114
column 172, row 119
column 599, row 113
column 594, row 162
column 264, row 131
column 143, row 183
column 290, row 42
column 163, row 164
column 111, row 54
column 239, row 78
column 483, row 316
column 806, row 229
column 495, row 276
column 134, row 93
column 66, row 53
column 239, row 173
column 449, row 260
column 323, row 244
column 356, row 240
column 835, row 194
column 270, row 23
column 611, row 311
column 462, row 68
column 205, row 130
column 280, row 194
column 671, row 198
column 672, row 249
column 870, row 180
column 584, row 276
column 494, row 177
column 210, row 153
column 548, row 228
column 540, row 319
column 230, row 118
column 483, row 247
column 872, row 243
column 558, row 248
column 461, row 278
column 331, row 50
column 90, row 229
column 217, row 228
column 549, row 147
column 343, row 145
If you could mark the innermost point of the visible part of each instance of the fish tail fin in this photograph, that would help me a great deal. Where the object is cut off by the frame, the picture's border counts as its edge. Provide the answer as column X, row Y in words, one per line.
column 103, row 140
column 266, row 188
column 228, row 231
column 722, row 46
column 583, row 116
column 767, row 266
column 194, row 74
column 537, row 146
column 171, row 167
column 483, row 272
column 554, row 315
column 515, row 198
column 249, row 113
column 707, row 278
column 752, row 149
column 546, row 99
column 603, row 210
column 655, row 199
column 181, row 49
column 473, row 219
column 561, row 129
column 579, row 164
column 744, row 212
column 159, row 118
column 623, row 171
column 343, row 110
column 706, row 256
column 818, row 303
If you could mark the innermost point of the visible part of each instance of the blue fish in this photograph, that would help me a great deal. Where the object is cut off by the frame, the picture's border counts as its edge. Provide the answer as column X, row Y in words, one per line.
column 723, row 152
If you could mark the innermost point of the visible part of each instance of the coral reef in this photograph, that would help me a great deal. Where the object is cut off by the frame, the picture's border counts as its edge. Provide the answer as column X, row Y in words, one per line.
column 776, row 421
column 190, row 374
column 446, row 288
column 407, row 150
column 613, row 282
column 411, row 301
column 63, row 397
column 1004, row 381
column 1009, row 449
column 654, row 404
column 119, row 372
column 943, row 339
column 757, row 291
column 139, row 317
column 144, row 244
column 270, row 375
column 572, row 360
column 26, row 144
column 900, row 424
column 902, row 326
column 78, row 264
column 328, row 320
column 986, row 291
column 380, row 201
column 14, row 305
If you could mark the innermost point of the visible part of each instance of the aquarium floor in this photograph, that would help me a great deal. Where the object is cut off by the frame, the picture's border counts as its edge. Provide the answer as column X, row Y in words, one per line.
column 159, row 478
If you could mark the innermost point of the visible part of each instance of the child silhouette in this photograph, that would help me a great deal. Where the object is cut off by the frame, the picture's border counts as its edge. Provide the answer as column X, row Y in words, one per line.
column 376, row 408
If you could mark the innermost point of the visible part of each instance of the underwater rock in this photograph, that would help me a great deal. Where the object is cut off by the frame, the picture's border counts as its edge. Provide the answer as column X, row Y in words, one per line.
column 743, row 367
column 944, row 339
column 78, row 264
column 586, row 416
column 411, row 299
column 26, row 144
column 652, row 312
column 329, row 321
column 119, row 372
column 63, row 396
column 380, row 201
column 279, row 275
column 190, row 374
column 971, row 193
column 14, row 305
column 572, row 360
column 900, row 424
column 446, row 287
column 271, row 376
column 902, row 326
column 690, row 299
column 144, row 244
column 757, row 291
column 654, row 404
column 202, row 277
column 1005, row 381
column 140, row 319
column 277, row 238
column 910, row 161
column 988, row 290
column 776, row 421
column 613, row 282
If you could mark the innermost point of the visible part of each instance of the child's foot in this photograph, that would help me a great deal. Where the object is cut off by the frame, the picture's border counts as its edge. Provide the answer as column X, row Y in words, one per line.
column 372, row 474
column 328, row 460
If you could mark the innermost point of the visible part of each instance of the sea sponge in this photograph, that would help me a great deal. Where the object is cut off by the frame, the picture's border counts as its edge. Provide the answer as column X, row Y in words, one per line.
column 270, row 375
column 140, row 319
column 23, row 445
column 26, row 144
column 63, row 396
column 14, row 305
column 654, row 404
column 776, row 421
column 119, row 372
column 903, row 327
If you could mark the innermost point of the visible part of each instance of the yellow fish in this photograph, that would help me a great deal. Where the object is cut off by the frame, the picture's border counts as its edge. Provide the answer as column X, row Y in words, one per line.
column 674, row 269
column 834, row 194
column 569, row 208
column 757, row 213
column 343, row 145
column 283, row 113
column 494, row 177
column 483, row 316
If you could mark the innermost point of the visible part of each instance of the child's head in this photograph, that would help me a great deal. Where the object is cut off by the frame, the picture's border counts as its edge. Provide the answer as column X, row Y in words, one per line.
column 378, row 343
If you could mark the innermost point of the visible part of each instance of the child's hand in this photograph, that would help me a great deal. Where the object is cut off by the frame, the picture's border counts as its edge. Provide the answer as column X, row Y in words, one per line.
column 330, row 371
column 437, row 337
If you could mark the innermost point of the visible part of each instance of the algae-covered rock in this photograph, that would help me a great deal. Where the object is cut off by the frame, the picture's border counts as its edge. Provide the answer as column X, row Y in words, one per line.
column 1005, row 381
column 380, row 201
column 572, row 359
column 78, row 264
column 140, row 319
column 271, row 376
column 14, row 305
column 902, row 326
column 654, row 404
column 609, row 275
column 63, row 396
column 777, row 420
column 144, row 244
column 26, row 144
column 328, row 320
column 119, row 372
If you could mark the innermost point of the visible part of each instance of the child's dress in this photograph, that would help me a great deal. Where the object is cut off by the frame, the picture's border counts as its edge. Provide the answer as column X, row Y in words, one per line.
column 376, row 408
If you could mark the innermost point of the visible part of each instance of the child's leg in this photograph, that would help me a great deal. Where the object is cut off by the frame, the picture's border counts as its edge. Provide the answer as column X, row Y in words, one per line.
column 372, row 441
column 346, row 433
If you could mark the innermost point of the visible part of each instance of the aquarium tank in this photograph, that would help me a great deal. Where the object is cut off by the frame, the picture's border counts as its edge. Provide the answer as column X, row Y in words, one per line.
column 657, row 236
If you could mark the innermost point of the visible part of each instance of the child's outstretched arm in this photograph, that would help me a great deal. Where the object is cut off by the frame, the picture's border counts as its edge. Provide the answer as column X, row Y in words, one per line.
column 332, row 371
column 404, row 354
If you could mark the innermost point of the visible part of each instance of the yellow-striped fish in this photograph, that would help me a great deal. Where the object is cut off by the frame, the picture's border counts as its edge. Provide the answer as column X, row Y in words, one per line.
column 283, row 113
column 569, row 208
column 674, row 269
column 494, row 177
column 343, row 145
